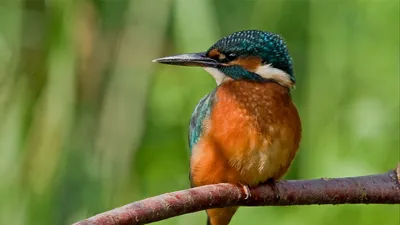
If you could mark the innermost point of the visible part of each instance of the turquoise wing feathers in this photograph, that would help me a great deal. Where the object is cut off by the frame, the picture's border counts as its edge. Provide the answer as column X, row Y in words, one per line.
column 200, row 113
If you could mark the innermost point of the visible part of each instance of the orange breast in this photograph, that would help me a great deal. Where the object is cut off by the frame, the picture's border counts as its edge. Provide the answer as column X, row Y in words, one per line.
column 252, row 135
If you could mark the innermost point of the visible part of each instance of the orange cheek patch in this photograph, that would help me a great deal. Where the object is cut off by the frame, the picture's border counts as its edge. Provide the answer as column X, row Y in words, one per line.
column 214, row 53
column 250, row 63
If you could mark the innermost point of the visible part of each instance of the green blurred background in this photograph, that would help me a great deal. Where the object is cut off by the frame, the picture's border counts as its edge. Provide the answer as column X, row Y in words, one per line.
column 88, row 123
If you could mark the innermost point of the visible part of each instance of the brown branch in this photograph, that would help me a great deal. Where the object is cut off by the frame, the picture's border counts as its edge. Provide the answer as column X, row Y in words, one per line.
column 374, row 189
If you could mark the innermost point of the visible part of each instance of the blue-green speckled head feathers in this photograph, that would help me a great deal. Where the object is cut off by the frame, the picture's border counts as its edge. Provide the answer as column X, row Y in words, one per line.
column 270, row 47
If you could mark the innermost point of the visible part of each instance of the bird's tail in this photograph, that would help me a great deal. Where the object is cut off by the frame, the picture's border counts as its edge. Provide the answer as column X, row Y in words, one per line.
column 220, row 216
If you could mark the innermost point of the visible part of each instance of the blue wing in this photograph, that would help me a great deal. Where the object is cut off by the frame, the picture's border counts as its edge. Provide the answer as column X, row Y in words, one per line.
column 201, row 112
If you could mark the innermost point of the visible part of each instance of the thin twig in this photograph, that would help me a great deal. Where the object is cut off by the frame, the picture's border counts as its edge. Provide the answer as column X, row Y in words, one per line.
column 374, row 189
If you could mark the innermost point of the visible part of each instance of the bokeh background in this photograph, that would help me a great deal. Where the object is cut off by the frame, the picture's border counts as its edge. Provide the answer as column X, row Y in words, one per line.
column 88, row 123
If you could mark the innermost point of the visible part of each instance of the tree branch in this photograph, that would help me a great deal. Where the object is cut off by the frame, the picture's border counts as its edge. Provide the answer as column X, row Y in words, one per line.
column 374, row 189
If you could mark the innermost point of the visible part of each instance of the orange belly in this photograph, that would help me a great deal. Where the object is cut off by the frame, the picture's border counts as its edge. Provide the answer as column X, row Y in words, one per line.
column 252, row 135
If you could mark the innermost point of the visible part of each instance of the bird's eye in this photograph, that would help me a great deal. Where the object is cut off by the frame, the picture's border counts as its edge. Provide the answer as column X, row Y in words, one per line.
column 231, row 56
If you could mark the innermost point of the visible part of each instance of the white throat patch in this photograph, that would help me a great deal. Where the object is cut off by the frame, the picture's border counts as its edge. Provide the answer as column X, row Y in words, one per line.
column 218, row 75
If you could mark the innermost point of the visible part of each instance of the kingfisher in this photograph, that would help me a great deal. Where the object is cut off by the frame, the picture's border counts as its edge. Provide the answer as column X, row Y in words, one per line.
column 247, row 130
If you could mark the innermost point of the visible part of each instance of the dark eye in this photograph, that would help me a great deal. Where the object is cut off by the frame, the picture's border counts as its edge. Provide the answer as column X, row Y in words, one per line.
column 231, row 56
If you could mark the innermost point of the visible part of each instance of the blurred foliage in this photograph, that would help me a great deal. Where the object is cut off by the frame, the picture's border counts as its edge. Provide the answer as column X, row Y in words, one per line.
column 88, row 123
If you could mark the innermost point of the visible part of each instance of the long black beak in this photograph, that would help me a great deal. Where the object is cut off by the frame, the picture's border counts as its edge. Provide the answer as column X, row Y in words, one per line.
column 191, row 59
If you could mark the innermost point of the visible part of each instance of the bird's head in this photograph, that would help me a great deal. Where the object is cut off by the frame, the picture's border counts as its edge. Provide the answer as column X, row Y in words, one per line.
column 249, row 55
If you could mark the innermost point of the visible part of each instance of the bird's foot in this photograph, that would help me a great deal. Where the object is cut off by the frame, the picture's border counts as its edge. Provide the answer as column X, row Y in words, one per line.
column 246, row 191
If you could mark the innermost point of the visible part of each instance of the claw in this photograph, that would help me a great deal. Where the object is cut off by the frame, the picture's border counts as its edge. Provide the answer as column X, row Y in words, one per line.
column 246, row 191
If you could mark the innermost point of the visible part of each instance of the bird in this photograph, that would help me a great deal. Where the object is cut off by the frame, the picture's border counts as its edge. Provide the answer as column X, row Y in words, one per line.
column 247, row 130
